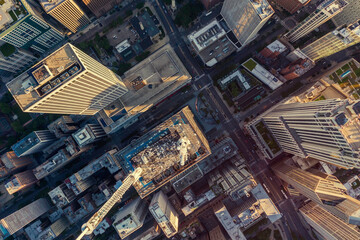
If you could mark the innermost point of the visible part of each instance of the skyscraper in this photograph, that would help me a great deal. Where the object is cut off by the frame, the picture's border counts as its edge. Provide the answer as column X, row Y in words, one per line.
column 67, row 12
column 349, row 15
column 130, row 218
column 325, row 130
column 164, row 214
column 291, row 5
column 66, row 82
column 19, row 219
column 22, row 26
column 33, row 143
column 88, row 134
column 246, row 17
column 333, row 42
column 13, row 60
column 324, row 12
column 10, row 162
column 100, row 7
column 327, row 225
column 20, row 181
column 325, row 190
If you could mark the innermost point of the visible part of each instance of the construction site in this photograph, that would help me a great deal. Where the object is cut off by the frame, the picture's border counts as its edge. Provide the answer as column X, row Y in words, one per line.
column 164, row 152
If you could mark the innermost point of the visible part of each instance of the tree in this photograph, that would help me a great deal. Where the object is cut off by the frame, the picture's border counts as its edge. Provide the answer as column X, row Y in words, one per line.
column 140, row 5
column 5, row 108
column 17, row 127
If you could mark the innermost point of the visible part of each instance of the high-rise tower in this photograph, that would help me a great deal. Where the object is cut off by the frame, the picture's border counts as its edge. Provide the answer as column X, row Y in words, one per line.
column 67, row 12
column 67, row 82
column 324, row 12
column 327, row 225
column 325, row 190
column 326, row 130
column 13, row 60
column 100, row 7
column 349, row 15
column 22, row 26
column 333, row 42
column 10, row 162
column 246, row 17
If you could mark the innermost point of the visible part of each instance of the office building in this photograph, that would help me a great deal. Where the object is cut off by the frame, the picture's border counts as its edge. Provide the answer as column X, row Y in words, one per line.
column 325, row 130
column 130, row 217
column 233, row 178
column 63, row 126
column 20, row 181
column 333, row 42
column 245, row 18
column 164, row 214
column 210, row 3
column 54, row 230
column 67, row 12
column 9, row 162
column 327, row 225
column 101, row 7
column 82, row 180
column 90, row 133
column 211, row 43
column 291, row 5
column 66, row 82
column 324, row 12
column 325, row 190
column 297, row 68
column 175, row 145
column 22, row 217
column 33, row 143
column 149, row 83
column 65, row 155
column 349, row 14
column 62, row 195
column 22, row 26
column 14, row 60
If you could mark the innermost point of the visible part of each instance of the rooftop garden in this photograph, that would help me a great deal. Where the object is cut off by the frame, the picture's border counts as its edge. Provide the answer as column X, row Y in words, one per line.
column 347, row 76
column 250, row 64
column 7, row 49
column 268, row 137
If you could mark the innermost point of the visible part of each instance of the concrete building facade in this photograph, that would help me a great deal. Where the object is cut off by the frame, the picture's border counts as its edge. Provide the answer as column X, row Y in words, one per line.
column 323, row 13
column 13, row 59
column 164, row 214
column 349, row 15
column 27, row 29
column 67, row 12
column 101, row 7
column 9, row 162
column 20, row 181
column 291, row 5
column 325, row 190
column 67, row 82
column 333, row 42
column 327, row 225
column 33, row 143
column 325, row 130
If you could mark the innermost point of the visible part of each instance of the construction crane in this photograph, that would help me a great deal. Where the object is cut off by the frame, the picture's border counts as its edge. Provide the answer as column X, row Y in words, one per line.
column 96, row 219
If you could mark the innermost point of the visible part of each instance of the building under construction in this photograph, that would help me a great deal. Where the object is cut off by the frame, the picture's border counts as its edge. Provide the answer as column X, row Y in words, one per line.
column 164, row 152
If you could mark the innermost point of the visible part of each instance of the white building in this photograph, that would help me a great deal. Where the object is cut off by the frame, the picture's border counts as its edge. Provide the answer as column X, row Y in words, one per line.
column 130, row 218
column 164, row 214
column 90, row 133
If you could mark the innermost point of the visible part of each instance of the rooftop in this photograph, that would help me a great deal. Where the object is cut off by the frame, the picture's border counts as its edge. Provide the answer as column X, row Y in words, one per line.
column 165, row 151
column 207, row 35
column 332, row 6
column 61, row 196
column 262, row 74
column 49, row 5
column 11, row 11
column 38, row 81
column 149, row 82
column 227, row 222
column 25, row 144
column 276, row 46
column 262, row 7
column 83, row 136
